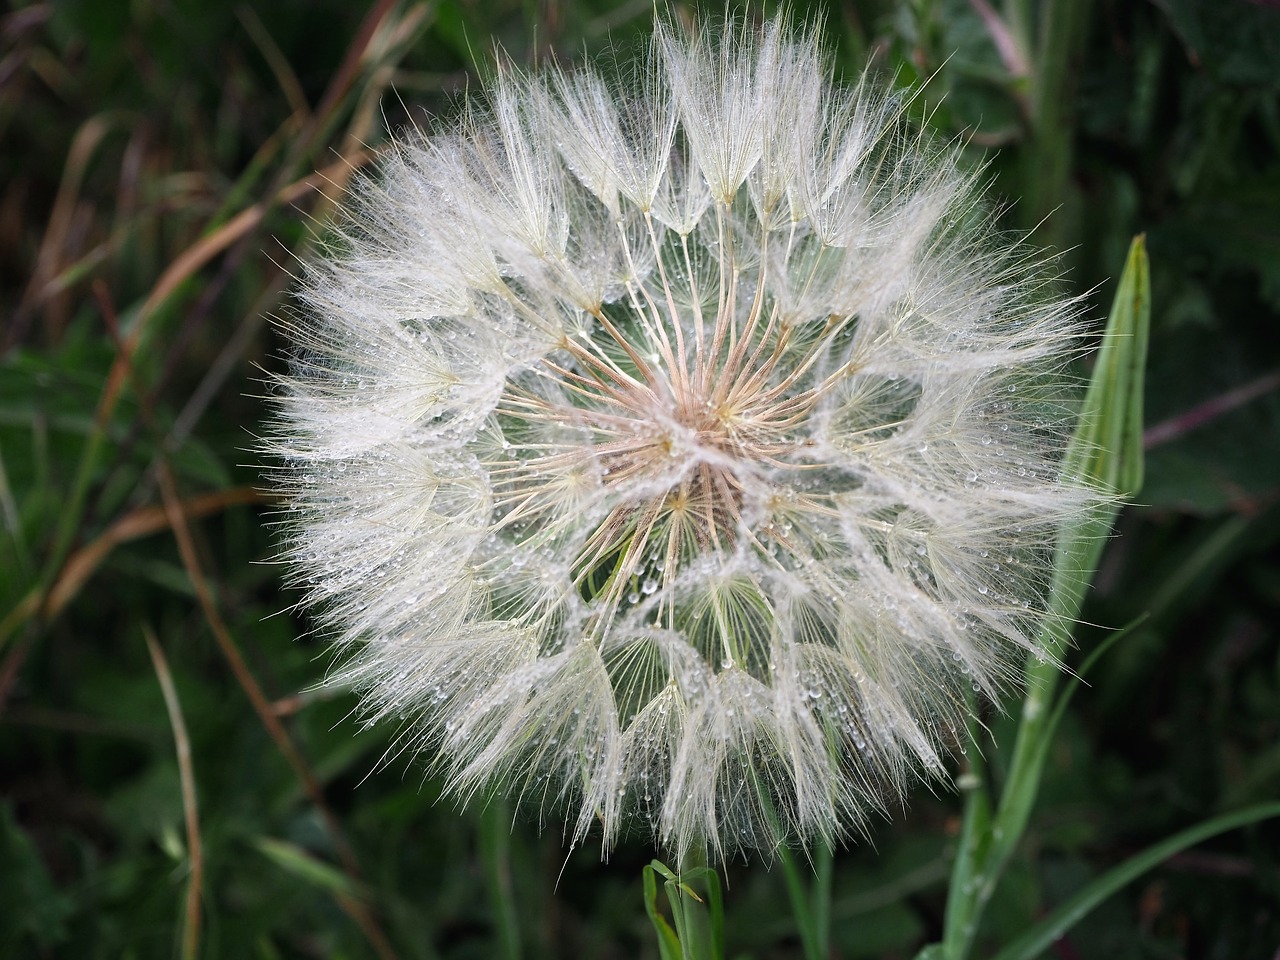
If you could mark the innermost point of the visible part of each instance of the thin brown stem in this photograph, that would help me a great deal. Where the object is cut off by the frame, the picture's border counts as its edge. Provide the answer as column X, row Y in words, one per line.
column 1198, row 416
column 359, row 912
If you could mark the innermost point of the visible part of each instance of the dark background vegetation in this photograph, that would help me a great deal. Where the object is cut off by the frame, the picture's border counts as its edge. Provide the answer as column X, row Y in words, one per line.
column 152, row 199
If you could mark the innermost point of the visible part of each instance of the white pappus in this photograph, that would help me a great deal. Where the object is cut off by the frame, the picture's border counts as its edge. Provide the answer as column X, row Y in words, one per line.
column 683, row 453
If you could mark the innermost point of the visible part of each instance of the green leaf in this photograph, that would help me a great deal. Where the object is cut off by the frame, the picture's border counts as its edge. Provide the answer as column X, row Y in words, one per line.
column 1107, row 449
column 668, row 942
column 1040, row 937
column 1106, row 452
column 699, row 919
column 305, row 866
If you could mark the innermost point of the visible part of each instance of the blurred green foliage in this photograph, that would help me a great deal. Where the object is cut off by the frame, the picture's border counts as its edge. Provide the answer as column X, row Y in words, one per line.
column 148, row 224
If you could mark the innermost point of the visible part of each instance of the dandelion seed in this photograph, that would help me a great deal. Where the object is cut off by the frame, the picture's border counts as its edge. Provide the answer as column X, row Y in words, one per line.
column 619, row 422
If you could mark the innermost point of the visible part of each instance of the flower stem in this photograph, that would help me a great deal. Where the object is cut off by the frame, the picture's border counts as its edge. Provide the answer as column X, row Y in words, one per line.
column 811, row 907
column 495, row 852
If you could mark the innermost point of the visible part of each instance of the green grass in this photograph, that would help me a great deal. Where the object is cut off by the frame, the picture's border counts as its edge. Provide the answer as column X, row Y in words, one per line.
column 157, row 186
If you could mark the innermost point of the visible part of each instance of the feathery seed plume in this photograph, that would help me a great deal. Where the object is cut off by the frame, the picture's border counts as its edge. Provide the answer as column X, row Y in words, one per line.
column 682, row 454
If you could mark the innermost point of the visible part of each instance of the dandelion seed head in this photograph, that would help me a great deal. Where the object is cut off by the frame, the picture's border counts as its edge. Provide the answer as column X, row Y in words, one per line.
column 681, row 455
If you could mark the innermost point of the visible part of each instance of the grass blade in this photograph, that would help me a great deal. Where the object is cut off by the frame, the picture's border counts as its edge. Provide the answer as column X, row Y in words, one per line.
column 190, row 807
column 1106, row 451
column 668, row 942
column 1040, row 937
